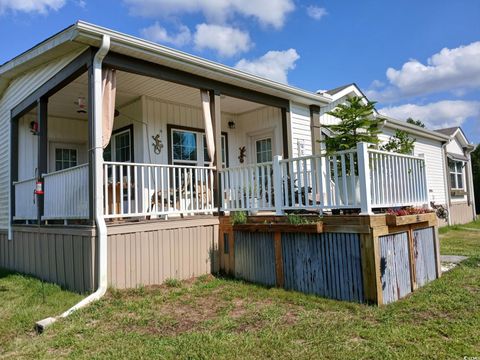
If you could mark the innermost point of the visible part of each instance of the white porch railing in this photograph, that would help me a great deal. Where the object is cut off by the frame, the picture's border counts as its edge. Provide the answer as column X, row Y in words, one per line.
column 358, row 178
column 397, row 179
column 25, row 206
column 135, row 189
column 66, row 194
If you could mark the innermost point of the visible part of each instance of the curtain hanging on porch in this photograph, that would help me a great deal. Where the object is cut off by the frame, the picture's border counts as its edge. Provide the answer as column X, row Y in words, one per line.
column 109, row 93
column 207, row 118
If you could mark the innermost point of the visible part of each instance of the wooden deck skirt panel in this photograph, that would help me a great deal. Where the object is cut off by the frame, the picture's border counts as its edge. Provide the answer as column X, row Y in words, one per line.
column 150, row 252
column 65, row 256
column 142, row 253
column 356, row 258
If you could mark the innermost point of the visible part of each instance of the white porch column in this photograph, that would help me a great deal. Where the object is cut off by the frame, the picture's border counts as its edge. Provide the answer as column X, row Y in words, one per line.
column 364, row 179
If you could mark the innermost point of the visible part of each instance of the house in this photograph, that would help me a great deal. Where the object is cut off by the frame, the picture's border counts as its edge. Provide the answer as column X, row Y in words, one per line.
column 118, row 155
column 446, row 151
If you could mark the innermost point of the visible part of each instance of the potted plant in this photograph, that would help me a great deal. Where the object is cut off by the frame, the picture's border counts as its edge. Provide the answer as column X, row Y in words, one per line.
column 405, row 216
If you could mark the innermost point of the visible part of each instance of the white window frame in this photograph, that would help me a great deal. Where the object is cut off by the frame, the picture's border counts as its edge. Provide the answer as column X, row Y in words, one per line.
column 201, row 161
column 113, row 140
column 458, row 165
column 64, row 145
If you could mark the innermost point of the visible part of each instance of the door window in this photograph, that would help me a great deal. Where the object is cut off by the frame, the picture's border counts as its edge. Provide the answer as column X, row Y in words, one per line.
column 263, row 150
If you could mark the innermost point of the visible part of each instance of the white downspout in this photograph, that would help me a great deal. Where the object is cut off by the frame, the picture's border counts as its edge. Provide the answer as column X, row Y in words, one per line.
column 445, row 180
column 98, row 189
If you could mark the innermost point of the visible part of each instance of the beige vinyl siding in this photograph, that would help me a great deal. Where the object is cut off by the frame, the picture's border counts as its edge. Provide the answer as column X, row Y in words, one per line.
column 19, row 89
column 58, row 255
column 432, row 150
column 149, row 254
column 301, row 133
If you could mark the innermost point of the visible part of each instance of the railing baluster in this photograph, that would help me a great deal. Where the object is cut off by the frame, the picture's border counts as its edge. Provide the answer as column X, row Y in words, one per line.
column 344, row 179
column 269, row 182
column 353, row 179
column 120, row 172
column 328, row 182
column 335, row 177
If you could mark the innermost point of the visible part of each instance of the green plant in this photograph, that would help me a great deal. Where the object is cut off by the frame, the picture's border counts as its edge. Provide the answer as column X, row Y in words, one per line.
column 296, row 219
column 357, row 124
column 400, row 143
column 238, row 217
column 415, row 122
column 173, row 283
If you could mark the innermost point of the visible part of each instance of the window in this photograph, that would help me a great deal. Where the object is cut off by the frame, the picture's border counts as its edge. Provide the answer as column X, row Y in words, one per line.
column 189, row 147
column 264, row 150
column 65, row 158
column 206, row 158
column 456, row 174
column 122, row 144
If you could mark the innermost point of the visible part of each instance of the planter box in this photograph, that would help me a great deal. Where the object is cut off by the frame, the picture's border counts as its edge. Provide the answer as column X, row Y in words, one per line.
column 280, row 227
column 395, row 220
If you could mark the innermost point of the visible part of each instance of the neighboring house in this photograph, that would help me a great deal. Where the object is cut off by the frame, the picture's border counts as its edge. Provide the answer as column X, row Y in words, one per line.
column 117, row 154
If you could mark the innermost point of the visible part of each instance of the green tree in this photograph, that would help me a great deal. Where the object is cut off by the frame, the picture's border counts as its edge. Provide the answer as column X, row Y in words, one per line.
column 357, row 124
column 400, row 143
column 415, row 122
column 475, row 156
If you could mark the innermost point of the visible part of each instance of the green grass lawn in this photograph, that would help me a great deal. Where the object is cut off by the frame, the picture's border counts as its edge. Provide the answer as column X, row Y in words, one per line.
column 222, row 318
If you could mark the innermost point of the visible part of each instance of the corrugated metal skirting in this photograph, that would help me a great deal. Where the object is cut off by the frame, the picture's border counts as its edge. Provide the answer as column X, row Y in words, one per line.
column 424, row 250
column 255, row 257
column 326, row 264
column 394, row 266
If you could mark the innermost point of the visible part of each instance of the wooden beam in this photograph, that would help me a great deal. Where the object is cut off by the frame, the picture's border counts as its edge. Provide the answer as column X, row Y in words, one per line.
column 162, row 72
column 315, row 129
column 217, row 134
column 42, row 153
column 285, row 133
column 62, row 78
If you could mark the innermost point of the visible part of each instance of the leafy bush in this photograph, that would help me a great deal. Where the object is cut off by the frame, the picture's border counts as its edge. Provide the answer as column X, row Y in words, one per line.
column 238, row 217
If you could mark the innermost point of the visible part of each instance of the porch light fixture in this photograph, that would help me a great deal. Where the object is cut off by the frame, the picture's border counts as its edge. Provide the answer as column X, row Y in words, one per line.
column 231, row 124
column 81, row 105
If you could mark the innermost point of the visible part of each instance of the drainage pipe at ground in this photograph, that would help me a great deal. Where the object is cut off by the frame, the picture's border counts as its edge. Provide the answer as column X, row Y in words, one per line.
column 101, row 227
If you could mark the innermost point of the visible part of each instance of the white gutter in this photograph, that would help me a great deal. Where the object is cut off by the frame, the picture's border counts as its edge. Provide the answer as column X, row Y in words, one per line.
column 445, row 180
column 98, row 190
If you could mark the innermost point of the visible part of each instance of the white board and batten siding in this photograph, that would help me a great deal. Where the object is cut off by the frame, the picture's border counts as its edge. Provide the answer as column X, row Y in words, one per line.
column 300, row 130
column 432, row 150
column 18, row 90
column 157, row 114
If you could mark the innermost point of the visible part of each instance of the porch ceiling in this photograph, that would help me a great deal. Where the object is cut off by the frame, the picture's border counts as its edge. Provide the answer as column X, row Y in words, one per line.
column 131, row 87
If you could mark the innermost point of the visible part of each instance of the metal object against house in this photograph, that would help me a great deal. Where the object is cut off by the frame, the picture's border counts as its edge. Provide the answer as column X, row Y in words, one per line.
column 157, row 145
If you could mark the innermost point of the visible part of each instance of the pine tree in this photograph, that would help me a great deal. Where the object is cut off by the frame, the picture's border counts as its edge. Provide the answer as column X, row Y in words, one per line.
column 357, row 124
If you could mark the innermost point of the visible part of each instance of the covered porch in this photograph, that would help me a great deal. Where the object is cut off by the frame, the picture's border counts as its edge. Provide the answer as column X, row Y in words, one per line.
column 158, row 162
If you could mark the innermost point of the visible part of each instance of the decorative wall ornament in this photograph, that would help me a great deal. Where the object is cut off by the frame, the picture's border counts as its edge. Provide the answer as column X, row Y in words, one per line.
column 157, row 145
column 243, row 154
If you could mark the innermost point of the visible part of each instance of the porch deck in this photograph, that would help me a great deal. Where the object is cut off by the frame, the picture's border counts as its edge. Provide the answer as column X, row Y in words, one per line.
column 360, row 180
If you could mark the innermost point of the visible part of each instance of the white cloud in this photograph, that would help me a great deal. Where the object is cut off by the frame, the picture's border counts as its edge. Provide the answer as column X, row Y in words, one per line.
column 31, row 6
column 272, row 12
column 160, row 35
column 316, row 12
column 227, row 41
column 436, row 115
column 273, row 65
column 455, row 70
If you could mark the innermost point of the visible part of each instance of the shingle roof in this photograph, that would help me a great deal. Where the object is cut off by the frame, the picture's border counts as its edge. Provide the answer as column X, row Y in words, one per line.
column 448, row 131
column 338, row 89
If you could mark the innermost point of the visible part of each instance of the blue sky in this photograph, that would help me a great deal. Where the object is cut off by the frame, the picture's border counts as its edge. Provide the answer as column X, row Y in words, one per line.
column 416, row 58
